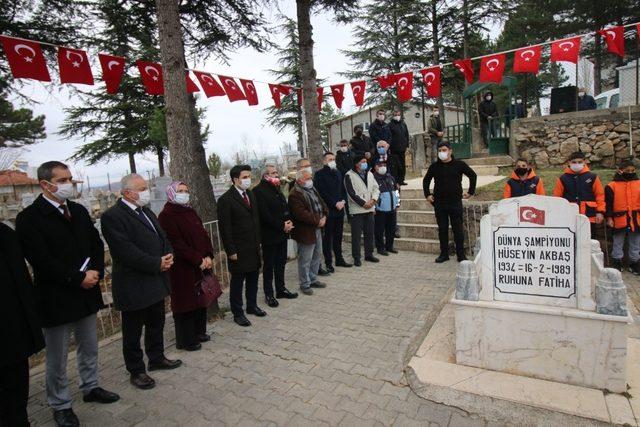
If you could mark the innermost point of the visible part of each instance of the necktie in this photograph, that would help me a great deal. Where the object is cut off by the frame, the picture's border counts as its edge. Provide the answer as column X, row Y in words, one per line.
column 246, row 198
column 145, row 218
column 65, row 212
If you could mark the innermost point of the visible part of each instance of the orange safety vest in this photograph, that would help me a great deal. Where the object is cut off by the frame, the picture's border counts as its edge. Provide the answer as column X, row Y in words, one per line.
column 626, row 204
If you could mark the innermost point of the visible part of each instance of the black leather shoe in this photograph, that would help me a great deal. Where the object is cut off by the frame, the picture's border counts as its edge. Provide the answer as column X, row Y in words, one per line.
column 65, row 418
column 343, row 263
column 193, row 347
column 256, row 311
column 462, row 258
column 393, row 251
column 166, row 364
column 330, row 269
column 142, row 381
column 323, row 272
column 357, row 262
column 318, row 284
column 204, row 337
column 442, row 258
column 241, row 320
column 100, row 395
column 271, row 301
column 383, row 253
column 287, row 294
column 371, row 259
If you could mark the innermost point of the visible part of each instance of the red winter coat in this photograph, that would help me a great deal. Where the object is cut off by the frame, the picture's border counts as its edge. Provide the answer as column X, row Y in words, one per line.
column 191, row 243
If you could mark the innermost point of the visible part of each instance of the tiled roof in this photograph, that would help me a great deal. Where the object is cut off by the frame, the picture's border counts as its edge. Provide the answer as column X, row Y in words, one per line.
column 13, row 177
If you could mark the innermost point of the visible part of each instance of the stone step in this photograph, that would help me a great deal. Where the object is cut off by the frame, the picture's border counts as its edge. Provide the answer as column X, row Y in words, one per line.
column 415, row 231
column 411, row 193
column 426, row 246
column 486, row 170
column 416, row 217
column 419, row 204
column 503, row 160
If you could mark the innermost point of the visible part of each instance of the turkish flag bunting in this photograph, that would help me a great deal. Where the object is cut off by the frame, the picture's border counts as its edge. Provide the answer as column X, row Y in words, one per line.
column 25, row 59
column 151, row 74
column 492, row 68
column 638, row 33
column 284, row 89
column 74, row 66
column 566, row 50
column 614, row 37
column 299, row 96
column 275, row 94
column 112, row 71
column 466, row 68
column 357, row 88
column 431, row 78
column 192, row 87
column 527, row 60
column 337, row 91
column 386, row 81
column 210, row 85
column 250, row 91
column 320, row 94
column 404, row 86
column 234, row 93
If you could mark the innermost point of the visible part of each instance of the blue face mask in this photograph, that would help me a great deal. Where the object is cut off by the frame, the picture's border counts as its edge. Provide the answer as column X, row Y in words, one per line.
column 381, row 150
column 364, row 166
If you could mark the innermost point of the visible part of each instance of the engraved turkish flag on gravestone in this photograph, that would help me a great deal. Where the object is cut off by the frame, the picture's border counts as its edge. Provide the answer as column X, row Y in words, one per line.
column 532, row 215
column 614, row 37
column 566, row 50
column 527, row 60
column 25, row 59
column 112, row 71
column 74, row 66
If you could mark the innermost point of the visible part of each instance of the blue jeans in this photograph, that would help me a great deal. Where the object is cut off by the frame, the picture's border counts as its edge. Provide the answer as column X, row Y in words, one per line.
column 309, row 259
column 618, row 245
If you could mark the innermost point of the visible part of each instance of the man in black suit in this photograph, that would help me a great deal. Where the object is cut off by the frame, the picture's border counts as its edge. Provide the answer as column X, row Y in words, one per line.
column 67, row 255
column 275, row 225
column 19, row 328
column 141, row 255
column 239, row 222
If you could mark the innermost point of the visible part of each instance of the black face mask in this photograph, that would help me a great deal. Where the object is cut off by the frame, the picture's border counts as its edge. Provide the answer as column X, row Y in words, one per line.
column 358, row 133
column 521, row 171
column 628, row 175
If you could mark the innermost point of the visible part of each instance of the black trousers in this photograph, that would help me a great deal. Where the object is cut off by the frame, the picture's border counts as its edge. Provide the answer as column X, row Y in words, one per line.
column 14, row 394
column 486, row 130
column 403, row 165
column 152, row 318
column 189, row 326
column 385, row 230
column 274, row 258
column 450, row 212
column 250, row 282
column 362, row 224
column 332, row 239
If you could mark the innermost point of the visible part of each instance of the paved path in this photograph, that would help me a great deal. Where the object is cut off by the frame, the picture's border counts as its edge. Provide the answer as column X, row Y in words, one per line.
column 332, row 358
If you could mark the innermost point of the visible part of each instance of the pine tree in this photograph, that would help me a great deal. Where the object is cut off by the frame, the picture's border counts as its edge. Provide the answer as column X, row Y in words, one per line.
column 18, row 127
column 328, row 114
column 215, row 165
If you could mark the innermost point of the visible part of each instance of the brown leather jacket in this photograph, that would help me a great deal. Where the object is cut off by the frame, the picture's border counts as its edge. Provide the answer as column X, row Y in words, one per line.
column 305, row 221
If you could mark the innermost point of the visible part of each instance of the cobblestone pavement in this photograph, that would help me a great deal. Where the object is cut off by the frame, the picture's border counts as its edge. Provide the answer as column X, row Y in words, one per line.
column 333, row 358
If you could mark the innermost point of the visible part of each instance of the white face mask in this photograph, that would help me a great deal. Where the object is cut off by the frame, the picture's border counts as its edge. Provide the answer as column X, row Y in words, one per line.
column 576, row 167
column 443, row 155
column 308, row 184
column 144, row 197
column 382, row 170
column 245, row 183
column 518, row 101
column 581, row 94
column 64, row 192
column 344, row 149
column 381, row 117
column 436, row 113
column 488, row 98
column 397, row 118
column 182, row 198
column 308, row 169
column 332, row 164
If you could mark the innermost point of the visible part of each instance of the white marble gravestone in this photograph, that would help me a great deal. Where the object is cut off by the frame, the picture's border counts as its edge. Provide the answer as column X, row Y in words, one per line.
column 535, row 313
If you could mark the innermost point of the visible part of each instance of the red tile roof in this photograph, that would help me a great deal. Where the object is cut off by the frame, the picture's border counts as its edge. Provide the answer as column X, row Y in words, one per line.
column 13, row 177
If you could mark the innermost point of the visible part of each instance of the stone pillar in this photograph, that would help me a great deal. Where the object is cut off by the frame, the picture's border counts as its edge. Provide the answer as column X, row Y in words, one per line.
column 467, row 283
column 611, row 293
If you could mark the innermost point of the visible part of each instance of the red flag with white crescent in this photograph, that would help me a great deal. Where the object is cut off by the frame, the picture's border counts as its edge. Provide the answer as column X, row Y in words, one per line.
column 431, row 77
column 320, row 94
column 566, row 50
column 492, row 68
column 112, row 71
column 466, row 68
column 527, row 60
column 284, row 89
column 250, row 91
column 25, row 59
column 151, row 74
column 192, row 87
column 233, row 91
column 387, row 81
column 337, row 91
column 357, row 88
column 209, row 84
column 614, row 37
column 299, row 96
column 74, row 66
column 404, row 86
column 275, row 94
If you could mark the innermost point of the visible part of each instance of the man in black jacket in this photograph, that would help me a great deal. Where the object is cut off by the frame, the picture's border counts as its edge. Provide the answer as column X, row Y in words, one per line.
column 399, row 143
column 67, row 255
column 344, row 157
column 447, row 196
column 385, row 154
column 141, row 255
column 239, row 223
column 328, row 182
column 19, row 329
column 275, row 225
column 361, row 144
column 379, row 129
column 488, row 111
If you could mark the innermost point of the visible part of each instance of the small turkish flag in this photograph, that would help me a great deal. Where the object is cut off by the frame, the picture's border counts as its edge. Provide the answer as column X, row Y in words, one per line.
column 284, row 89
column 275, row 94
column 431, row 78
column 320, row 94
column 492, row 68
column 386, row 81
column 357, row 88
column 210, row 85
column 74, row 66
column 112, row 71
column 299, row 96
column 234, row 93
column 532, row 215
column 250, row 91
column 337, row 91
column 466, row 68
column 25, row 59
column 566, row 50
column 404, row 86
column 151, row 74
column 614, row 37
column 527, row 60
column 192, row 87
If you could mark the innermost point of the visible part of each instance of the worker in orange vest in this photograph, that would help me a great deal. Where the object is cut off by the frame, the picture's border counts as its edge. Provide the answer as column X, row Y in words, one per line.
column 523, row 181
column 581, row 186
column 622, row 196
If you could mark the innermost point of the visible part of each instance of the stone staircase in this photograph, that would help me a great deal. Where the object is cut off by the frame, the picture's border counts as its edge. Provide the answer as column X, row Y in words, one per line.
column 489, row 165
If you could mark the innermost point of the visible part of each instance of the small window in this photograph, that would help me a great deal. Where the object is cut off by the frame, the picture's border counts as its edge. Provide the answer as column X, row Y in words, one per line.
column 615, row 100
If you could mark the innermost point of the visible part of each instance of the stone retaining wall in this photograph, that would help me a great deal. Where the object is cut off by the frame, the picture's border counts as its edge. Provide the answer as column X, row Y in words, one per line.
column 603, row 135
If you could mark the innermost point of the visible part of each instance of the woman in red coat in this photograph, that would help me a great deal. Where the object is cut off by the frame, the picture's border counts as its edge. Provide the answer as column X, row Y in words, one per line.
column 192, row 255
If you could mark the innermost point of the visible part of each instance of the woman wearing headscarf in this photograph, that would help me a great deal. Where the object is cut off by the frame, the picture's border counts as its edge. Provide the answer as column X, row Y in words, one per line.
column 192, row 256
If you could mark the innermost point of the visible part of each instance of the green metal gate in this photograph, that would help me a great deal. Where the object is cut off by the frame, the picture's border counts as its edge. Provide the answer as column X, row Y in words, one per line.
column 459, row 136
column 499, row 138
